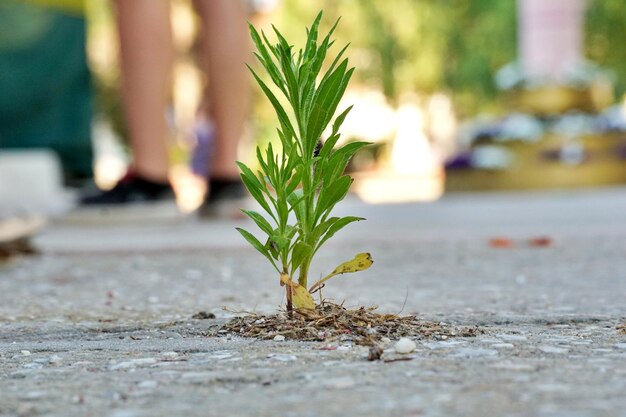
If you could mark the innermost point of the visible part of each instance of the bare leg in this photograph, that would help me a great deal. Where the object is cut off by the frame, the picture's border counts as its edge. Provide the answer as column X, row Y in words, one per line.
column 225, row 48
column 146, row 61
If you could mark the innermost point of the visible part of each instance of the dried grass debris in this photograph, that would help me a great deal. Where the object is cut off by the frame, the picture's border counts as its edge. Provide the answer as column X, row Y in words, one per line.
column 333, row 322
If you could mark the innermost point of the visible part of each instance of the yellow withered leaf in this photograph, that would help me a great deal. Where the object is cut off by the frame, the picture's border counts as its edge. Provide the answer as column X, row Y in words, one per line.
column 300, row 297
column 361, row 262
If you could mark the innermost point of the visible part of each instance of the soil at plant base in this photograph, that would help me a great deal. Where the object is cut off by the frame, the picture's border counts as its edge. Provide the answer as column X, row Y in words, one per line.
column 332, row 322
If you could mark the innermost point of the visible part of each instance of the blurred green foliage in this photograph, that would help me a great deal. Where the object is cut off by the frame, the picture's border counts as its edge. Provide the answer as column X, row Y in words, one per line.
column 605, row 38
column 408, row 46
column 447, row 45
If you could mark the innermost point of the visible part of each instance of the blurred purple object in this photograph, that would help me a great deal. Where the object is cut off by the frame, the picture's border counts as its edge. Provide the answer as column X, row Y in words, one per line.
column 613, row 119
column 460, row 161
column 621, row 152
column 203, row 151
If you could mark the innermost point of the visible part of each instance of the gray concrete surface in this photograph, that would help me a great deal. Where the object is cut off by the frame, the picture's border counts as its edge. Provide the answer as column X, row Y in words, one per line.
column 100, row 323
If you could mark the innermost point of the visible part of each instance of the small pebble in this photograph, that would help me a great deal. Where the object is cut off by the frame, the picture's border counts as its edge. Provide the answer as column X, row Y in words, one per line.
column 55, row 359
column 279, row 338
column 374, row 354
column 169, row 355
column 552, row 349
column 405, row 345
column 147, row 384
column 282, row 357
column 203, row 315
column 25, row 352
column 132, row 364
column 503, row 345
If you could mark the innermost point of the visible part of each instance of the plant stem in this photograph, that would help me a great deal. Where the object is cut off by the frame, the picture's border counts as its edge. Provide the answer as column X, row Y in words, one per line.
column 304, row 272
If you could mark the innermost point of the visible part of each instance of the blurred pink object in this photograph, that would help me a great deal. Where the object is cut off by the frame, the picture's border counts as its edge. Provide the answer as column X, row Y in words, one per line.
column 550, row 37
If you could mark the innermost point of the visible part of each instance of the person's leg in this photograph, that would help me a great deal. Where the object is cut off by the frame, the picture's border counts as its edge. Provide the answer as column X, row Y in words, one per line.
column 146, row 61
column 225, row 49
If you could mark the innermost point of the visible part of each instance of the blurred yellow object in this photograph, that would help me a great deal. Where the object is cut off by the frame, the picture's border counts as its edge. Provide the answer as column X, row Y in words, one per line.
column 556, row 99
column 542, row 165
column 69, row 6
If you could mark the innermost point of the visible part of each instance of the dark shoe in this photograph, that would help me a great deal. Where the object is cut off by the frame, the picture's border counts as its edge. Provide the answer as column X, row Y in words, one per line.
column 132, row 199
column 129, row 190
column 225, row 198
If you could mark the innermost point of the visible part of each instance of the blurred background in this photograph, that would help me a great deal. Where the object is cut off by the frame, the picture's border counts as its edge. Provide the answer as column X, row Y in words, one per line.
column 456, row 95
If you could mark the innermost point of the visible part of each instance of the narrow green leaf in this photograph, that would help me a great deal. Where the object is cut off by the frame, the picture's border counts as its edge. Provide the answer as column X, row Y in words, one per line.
column 260, row 221
column 266, row 60
column 254, row 187
column 281, row 242
column 310, row 48
column 257, row 245
column 325, row 102
column 339, row 120
column 293, row 183
column 280, row 111
column 336, row 60
column 331, row 194
column 338, row 161
column 322, row 228
column 335, row 227
column 296, row 203
column 328, row 146
column 259, row 158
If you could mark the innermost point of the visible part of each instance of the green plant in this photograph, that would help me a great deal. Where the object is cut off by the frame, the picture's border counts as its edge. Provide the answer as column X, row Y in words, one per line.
column 300, row 183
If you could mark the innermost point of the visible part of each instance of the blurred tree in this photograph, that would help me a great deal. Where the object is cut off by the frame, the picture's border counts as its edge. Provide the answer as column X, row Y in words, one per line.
column 451, row 45
column 604, row 41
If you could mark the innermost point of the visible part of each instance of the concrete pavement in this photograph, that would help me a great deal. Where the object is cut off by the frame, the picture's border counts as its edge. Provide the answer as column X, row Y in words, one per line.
column 100, row 323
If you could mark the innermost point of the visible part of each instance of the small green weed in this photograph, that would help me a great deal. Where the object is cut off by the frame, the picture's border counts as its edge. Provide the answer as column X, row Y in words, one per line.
column 299, row 184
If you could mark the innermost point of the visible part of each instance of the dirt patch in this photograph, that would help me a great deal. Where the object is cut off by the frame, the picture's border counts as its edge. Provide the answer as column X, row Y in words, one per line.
column 332, row 322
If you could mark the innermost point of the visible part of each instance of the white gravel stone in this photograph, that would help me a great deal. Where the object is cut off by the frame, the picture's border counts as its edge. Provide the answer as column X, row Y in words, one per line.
column 279, row 338
column 33, row 365
column 552, row 349
column 282, row 357
column 512, row 337
column 132, row 364
column 169, row 355
column 55, row 359
column 25, row 352
column 405, row 345
column 475, row 353
column 503, row 346
column 149, row 384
